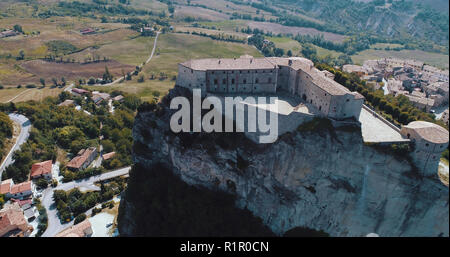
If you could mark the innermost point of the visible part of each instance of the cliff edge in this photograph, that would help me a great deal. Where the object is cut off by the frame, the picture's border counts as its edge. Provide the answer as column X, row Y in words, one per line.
column 324, row 178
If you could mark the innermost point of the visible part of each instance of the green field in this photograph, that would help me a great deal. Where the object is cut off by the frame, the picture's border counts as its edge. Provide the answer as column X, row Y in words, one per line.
column 172, row 49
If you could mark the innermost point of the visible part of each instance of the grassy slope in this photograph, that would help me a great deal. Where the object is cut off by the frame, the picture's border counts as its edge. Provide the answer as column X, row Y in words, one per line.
column 171, row 50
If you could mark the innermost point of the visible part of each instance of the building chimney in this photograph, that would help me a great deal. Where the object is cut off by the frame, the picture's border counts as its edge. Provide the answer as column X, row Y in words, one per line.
column 290, row 62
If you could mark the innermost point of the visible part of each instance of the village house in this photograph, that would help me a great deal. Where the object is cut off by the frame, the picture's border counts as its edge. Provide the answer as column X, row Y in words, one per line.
column 8, row 33
column 13, row 222
column 118, row 98
column 21, row 191
column 87, row 31
column 358, row 70
column 16, row 191
column 108, row 156
column 68, row 102
column 82, row 229
column 83, row 159
column 98, row 97
column 79, row 91
column 42, row 170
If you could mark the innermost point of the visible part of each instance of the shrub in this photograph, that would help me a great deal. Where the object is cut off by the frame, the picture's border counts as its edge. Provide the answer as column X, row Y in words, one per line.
column 79, row 218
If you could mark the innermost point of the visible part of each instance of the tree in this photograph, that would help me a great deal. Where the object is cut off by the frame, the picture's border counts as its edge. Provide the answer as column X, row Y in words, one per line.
column 55, row 82
column 63, row 81
column 18, row 28
column 42, row 80
column 289, row 53
column 21, row 55
column 42, row 183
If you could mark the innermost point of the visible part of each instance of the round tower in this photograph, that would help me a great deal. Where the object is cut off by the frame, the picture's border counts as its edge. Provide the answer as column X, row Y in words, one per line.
column 430, row 141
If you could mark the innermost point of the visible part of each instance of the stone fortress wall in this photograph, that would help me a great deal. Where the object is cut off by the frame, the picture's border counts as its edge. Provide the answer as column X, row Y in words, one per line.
column 310, row 93
column 270, row 75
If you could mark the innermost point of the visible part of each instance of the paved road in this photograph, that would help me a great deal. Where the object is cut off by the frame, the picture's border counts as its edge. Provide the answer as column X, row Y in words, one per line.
column 140, row 66
column 22, row 138
column 54, row 224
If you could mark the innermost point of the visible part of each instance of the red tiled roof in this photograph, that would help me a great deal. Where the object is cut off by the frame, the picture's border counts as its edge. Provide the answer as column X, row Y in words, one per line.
column 79, row 91
column 78, row 161
column 20, row 188
column 41, row 168
column 107, row 156
column 5, row 186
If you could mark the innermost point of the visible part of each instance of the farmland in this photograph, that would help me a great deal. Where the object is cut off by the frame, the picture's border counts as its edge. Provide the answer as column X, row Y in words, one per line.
column 171, row 50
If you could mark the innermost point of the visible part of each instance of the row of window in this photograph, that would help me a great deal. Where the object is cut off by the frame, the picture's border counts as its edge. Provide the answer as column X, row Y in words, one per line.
column 244, row 81
column 248, row 71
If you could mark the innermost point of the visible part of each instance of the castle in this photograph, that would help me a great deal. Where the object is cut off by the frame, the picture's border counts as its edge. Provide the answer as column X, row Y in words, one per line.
column 295, row 75
column 298, row 77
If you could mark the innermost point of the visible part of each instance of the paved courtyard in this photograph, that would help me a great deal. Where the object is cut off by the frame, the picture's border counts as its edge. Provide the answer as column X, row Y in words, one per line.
column 376, row 131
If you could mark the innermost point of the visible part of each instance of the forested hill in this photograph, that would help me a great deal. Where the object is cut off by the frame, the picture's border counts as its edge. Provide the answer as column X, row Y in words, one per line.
column 393, row 18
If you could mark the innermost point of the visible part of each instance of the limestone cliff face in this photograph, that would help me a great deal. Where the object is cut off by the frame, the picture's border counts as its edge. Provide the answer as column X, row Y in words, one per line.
column 324, row 181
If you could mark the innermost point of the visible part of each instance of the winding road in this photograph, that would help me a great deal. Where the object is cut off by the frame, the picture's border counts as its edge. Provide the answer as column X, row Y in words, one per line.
column 22, row 138
column 54, row 224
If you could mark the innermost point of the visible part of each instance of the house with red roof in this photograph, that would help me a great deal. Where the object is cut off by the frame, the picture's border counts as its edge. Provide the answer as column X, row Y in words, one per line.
column 20, row 191
column 42, row 170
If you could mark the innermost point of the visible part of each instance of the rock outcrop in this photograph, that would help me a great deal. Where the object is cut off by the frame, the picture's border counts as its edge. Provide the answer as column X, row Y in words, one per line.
column 323, row 180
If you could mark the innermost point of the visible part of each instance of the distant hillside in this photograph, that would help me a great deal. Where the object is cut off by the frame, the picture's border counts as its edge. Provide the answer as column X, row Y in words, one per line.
column 405, row 19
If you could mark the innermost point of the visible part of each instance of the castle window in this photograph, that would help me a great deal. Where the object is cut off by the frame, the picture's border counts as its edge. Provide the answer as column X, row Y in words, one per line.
column 245, row 81
column 256, row 81
column 347, row 100
column 192, row 71
column 232, row 81
column 213, row 72
column 215, row 82
column 270, row 80
column 320, row 108
column 427, row 144
column 408, row 135
column 232, row 71
column 240, row 71
column 224, row 81
column 224, row 72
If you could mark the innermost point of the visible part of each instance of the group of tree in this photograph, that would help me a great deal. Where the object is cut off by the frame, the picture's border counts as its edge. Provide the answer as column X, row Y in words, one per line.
column 73, row 204
column 268, row 48
column 6, row 131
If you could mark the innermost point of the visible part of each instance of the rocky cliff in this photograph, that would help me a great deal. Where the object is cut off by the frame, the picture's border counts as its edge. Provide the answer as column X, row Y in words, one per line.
column 324, row 179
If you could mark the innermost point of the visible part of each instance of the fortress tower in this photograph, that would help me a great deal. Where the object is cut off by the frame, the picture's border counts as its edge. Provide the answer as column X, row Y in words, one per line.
column 430, row 141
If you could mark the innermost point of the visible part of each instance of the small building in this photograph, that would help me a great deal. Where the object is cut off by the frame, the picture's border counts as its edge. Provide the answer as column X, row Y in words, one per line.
column 82, row 229
column 68, row 102
column 108, row 156
column 5, row 187
column 21, row 191
column 13, row 222
column 87, row 31
column 8, row 33
column 28, row 211
column 118, row 98
column 83, row 159
column 358, row 70
column 79, row 91
column 42, row 170
column 430, row 141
